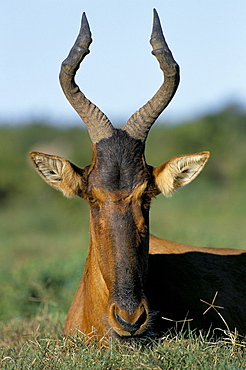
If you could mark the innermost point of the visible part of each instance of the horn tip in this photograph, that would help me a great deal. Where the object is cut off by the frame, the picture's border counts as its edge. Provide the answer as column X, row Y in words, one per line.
column 84, row 18
column 155, row 12
column 156, row 19
column 156, row 22
column 157, row 39
column 85, row 28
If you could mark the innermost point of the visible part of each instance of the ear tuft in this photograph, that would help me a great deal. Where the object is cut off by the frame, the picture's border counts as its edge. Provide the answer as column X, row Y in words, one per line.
column 49, row 167
column 60, row 173
column 179, row 171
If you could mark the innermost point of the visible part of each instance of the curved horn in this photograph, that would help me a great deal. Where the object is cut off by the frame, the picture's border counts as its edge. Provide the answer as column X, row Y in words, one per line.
column 98, row 125
column 141, row 121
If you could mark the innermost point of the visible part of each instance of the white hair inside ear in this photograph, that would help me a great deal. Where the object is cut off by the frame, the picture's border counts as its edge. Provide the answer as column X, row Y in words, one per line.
column 179, row 171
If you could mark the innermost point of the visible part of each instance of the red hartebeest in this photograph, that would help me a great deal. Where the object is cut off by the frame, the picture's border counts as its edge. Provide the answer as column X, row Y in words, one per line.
column 132, row 279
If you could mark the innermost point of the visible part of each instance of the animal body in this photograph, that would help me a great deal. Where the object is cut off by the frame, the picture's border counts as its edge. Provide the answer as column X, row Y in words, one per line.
column 135, row 284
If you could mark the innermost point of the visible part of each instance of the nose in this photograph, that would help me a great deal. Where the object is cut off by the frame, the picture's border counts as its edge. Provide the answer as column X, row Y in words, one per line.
column 132, row 327
column 128, row 324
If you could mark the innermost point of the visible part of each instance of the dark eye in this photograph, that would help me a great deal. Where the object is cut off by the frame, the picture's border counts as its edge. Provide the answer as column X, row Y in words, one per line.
column 93, row 200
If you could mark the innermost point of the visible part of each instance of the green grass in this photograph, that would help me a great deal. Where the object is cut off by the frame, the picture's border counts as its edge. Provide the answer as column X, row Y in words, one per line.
column 44, row 239
column 38, row 343
column 202, row 215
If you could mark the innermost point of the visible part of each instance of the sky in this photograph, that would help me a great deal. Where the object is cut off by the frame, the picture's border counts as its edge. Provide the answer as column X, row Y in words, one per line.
column 207, row 39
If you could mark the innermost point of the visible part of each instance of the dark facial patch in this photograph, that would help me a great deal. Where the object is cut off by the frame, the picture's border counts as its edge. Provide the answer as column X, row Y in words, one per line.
column 120, row 162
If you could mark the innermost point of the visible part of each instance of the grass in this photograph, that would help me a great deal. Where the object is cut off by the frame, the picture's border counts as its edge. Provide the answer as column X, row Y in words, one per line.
column 202, row 215
column 38, row 343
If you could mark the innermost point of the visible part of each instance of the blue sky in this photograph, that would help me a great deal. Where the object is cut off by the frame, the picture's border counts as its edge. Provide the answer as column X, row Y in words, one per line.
column 207, row 39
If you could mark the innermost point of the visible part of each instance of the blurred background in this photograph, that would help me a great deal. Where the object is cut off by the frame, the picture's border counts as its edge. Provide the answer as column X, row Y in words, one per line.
column 43, row 236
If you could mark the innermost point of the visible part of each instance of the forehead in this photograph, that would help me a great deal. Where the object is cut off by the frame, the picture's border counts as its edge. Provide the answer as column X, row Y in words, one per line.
column 119, row 162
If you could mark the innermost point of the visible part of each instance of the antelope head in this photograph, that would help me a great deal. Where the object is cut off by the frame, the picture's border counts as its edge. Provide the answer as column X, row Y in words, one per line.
column 119, row 185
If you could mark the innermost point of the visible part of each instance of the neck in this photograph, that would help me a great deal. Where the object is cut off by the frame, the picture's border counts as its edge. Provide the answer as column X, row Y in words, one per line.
column 89, row 308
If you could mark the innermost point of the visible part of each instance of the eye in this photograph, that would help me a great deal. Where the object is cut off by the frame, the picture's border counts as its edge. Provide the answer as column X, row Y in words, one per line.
column 93, row 200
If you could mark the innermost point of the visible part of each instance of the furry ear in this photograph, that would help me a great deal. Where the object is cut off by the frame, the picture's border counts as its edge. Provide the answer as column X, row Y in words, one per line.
column 179, row 171
column 60, row 173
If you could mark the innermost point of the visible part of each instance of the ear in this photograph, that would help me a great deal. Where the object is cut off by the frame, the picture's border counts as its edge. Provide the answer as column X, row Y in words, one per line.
column 179, row 171
column 60, row 173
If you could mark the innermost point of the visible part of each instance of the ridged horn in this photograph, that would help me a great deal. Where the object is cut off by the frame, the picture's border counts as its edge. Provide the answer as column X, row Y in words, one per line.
column 98, row 125
column 141, row 121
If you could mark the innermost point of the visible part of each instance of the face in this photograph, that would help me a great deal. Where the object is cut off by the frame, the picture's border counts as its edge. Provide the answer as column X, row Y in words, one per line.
column 119, row 191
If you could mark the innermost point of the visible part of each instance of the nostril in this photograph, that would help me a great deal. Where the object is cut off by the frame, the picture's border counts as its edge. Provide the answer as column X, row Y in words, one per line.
column 132, row 327
column 125, row 324
column 129, row 327
column 141, row 320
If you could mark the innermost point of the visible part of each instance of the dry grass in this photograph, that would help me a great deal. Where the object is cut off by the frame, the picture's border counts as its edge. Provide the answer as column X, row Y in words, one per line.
column 38, row 343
